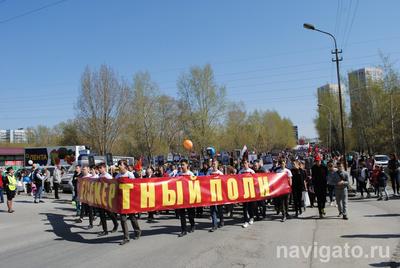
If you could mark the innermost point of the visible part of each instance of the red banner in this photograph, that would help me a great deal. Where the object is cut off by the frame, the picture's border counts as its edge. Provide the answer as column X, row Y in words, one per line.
column 126, row 195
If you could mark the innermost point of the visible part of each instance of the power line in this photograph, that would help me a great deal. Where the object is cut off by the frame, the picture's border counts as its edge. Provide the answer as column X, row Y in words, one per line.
column 351, row 25
column 32, row 11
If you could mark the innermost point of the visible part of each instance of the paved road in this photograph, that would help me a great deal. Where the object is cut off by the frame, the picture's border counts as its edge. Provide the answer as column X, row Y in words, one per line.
column 45, row 235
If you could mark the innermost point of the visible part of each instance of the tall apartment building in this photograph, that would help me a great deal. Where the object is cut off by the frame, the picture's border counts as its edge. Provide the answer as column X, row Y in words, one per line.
column 359, row 81
column 13, row 135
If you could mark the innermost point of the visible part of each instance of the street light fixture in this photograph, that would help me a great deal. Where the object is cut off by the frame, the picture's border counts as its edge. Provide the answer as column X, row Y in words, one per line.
column 336, row 59
column 330, row 124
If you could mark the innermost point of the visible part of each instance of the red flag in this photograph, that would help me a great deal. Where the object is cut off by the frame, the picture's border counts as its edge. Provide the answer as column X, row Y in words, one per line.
column 138, row 165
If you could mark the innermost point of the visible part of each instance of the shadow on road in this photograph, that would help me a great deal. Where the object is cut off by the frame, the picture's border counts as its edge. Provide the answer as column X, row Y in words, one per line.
column 391, row 264
column 372, row 236
column 63, row 231
column 383, row 215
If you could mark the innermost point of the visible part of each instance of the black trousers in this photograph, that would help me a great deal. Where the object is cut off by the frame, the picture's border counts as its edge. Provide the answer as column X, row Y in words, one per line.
column 248, row 210
column 321, row 200
column 363, row 187
column 182, row 215
column 284, row 204
column 86, row 209
column 134, row 222
column 103, row 218
column 56, row 185
column 261, row 210
column 297, row 195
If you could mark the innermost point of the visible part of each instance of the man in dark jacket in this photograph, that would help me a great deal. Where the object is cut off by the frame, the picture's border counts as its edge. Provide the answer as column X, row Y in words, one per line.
column 318, row 173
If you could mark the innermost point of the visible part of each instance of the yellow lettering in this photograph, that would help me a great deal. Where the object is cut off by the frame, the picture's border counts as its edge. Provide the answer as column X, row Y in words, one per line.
column 179, row 193
column 233, row 192
column 147, row 192
column 103, row 194
column 169, row 196
column 126, row 194
column 248, row 184
column 97, row 196
column 194, row 192
column 263, row 183
column 216, row 190
column 111, row 195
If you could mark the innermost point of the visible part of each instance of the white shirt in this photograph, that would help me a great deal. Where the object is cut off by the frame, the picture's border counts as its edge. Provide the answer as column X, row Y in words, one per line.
column 127, row 174
column 212, row 172
column 187, row 173
column 286, row 170
column 174, row 173
column 106, row 176
column 246, row 170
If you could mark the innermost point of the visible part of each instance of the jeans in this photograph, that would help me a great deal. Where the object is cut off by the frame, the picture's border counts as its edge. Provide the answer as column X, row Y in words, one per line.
column 38, row 193
column 331, row 189
column 341, row 200
column 383, row 189
column 217, row 212
column 1, row 195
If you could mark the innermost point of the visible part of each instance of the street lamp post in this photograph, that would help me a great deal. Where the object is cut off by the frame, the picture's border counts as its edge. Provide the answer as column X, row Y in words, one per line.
column 330, row 124
column 337, row 59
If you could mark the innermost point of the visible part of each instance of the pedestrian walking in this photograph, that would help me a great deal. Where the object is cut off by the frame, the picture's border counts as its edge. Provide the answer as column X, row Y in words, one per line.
column 341, row 191
column 318, row 174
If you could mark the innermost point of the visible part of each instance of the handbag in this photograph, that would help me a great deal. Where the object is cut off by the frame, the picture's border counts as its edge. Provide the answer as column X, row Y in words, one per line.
column 306, row 198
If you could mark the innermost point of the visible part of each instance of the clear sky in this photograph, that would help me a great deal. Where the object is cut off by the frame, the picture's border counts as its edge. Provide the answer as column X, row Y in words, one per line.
column 258, row 49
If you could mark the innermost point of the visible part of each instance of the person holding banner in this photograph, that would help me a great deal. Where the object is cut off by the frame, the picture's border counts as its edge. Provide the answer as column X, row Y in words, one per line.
column 248, row 207
column 284, row 204
column 261, row 208
column 105, row 175
column 85, row 208
column 182, row 211
column 124, row 173
column 219, row 209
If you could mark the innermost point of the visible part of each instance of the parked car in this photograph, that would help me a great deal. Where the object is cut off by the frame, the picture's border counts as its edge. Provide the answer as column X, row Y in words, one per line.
column 382, row 160
column 66, row 180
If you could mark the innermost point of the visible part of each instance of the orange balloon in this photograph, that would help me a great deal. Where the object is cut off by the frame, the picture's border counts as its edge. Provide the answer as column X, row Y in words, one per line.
column 188, row 144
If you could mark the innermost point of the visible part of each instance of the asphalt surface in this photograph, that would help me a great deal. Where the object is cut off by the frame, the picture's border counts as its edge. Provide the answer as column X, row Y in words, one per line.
column 46, row 235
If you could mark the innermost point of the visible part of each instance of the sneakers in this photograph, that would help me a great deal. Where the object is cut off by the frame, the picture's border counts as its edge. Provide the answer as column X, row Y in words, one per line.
column 283, row 219
column 340, row 214
column 345, row 217
column 251, row 221
column 245, row 225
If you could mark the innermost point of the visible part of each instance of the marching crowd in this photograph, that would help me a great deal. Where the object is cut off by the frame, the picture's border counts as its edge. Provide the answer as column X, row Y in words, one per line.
column 313, row 179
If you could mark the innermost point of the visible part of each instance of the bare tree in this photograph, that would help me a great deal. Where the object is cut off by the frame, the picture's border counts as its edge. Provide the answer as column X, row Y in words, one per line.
column 202, row 103
column 102, row 107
